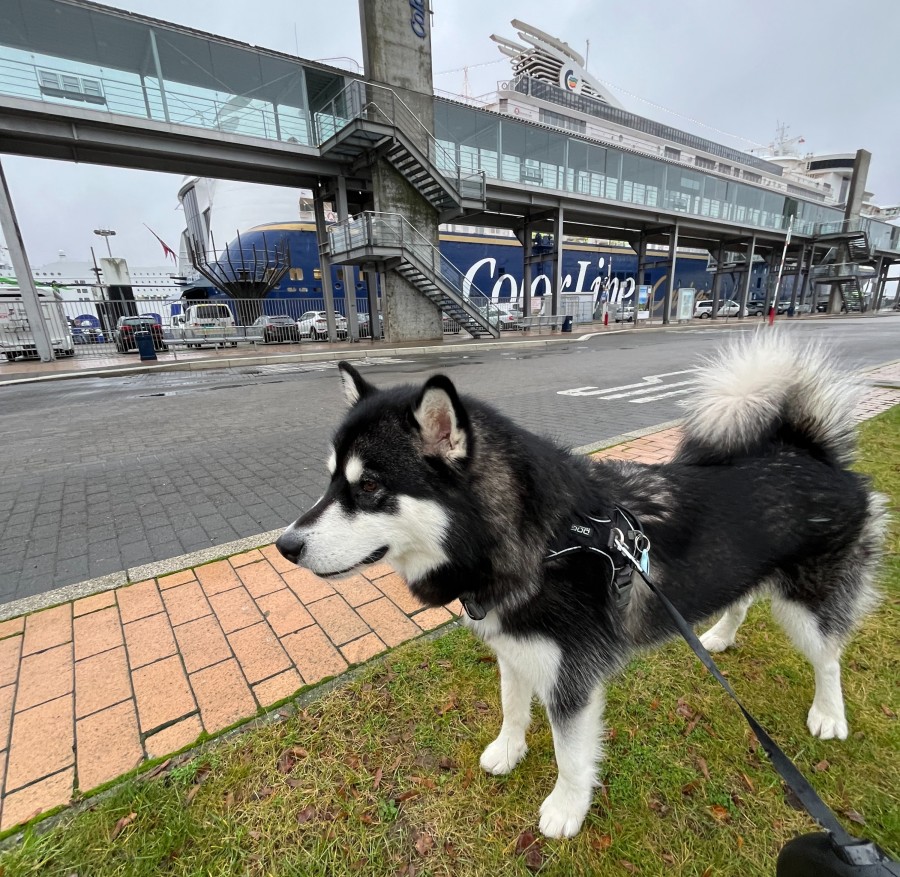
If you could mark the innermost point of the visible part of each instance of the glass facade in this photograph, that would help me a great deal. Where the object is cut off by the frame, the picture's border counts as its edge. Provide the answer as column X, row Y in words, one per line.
column 513, row 151
column 95, row 59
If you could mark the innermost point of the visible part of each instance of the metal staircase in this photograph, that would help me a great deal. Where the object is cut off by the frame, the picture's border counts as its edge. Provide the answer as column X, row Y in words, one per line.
column 845, row 276
column 364, row 121
column 390, row 239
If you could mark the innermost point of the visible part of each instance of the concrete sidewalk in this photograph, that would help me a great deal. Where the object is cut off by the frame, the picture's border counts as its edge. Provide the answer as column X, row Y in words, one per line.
column 92, row 688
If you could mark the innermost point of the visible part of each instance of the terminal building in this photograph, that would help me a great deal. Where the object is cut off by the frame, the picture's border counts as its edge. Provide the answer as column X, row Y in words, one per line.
column 554, row 162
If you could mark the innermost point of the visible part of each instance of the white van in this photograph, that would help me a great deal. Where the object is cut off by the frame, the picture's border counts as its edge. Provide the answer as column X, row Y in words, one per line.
column 207, row 322
column 16, row 338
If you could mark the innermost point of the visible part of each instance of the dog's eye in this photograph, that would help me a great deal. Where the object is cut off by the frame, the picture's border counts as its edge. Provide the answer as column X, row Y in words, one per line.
column 368, row 486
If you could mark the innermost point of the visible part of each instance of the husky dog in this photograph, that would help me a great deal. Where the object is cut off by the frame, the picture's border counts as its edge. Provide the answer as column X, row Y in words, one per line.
column 465, row 504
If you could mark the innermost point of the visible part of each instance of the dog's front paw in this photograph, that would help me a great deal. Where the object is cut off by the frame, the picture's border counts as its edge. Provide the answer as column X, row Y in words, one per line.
column 502, row 755
column 563, row 811
column 714, row 642
column 827, row 725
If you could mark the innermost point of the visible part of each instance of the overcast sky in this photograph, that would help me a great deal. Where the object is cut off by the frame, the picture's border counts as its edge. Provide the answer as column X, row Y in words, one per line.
column 826, row 68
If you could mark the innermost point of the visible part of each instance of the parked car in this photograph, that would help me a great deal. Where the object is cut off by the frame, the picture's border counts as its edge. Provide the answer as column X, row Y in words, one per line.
column 803, row 309
column 276, row 327
column 510, row 316
column 449, row 325
column 727, row 308
column 84, row 333
column 622, row 313
column 210, row 322
column 314, row 325
column 364, row 325
column 124, row 333
column 756, row 308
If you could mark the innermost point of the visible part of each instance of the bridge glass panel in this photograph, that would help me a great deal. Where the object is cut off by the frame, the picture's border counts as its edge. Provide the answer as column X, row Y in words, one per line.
column 95, row 59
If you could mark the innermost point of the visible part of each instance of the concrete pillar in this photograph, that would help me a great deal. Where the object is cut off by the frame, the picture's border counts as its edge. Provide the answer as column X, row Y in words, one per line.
column 325, row 265
column 670, row 286
column 745, row 292
column 40, row 331
column 558, row 226
column 349, row 288
column 396, row 42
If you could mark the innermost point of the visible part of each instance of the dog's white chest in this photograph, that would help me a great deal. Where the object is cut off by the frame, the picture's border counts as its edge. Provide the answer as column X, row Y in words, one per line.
column 534, row 658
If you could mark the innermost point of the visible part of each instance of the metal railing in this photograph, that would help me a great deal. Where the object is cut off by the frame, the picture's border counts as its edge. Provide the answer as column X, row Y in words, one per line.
column 90, row 328
column 128, row 96
column 844, row 269
column 378, row 103
column 395, row 231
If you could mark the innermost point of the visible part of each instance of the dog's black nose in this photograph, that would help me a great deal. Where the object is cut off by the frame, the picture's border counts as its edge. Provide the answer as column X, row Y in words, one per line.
column 290, row 545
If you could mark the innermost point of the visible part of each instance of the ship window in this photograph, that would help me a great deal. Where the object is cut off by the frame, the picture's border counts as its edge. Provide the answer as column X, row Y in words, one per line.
column 705, row 163
column 751, row 177
column 296, row 274
column 673, row 154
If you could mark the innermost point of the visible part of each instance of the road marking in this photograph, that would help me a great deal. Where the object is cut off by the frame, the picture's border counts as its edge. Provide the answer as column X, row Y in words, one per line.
column 648, row 384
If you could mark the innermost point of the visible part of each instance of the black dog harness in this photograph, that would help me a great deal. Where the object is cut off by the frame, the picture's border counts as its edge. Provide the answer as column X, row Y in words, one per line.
column 617, row 537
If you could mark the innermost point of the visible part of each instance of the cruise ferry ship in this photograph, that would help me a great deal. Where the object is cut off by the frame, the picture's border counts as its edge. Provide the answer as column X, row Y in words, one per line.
column 551, row 87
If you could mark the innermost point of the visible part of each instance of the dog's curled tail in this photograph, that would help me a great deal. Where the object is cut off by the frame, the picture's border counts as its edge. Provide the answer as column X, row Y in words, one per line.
column 768, row 388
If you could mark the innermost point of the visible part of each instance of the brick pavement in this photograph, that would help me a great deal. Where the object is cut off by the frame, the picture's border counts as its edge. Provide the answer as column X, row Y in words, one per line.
column 91, row 689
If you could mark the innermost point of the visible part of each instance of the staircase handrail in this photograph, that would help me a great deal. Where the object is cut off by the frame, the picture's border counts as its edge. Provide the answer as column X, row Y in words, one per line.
column 360, row 103
column 844, row 269
column 408, row 238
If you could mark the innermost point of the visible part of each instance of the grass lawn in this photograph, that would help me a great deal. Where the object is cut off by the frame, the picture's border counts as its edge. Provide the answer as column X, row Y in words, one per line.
column 381, row 776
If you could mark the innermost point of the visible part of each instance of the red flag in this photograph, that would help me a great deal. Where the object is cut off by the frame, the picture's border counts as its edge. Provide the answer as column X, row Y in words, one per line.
column 167, row 250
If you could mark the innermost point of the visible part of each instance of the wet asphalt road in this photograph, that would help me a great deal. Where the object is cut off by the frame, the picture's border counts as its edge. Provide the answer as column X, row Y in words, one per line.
column 102, row 474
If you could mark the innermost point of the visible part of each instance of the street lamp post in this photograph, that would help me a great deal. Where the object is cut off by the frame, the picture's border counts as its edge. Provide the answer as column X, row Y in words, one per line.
column 105, row 233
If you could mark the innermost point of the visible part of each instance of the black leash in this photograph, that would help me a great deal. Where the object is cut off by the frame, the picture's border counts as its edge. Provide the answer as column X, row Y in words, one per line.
column 855, row 851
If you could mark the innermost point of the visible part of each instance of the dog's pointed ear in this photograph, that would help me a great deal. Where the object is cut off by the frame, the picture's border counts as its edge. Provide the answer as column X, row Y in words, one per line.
column 356, row 386
column 442, row 420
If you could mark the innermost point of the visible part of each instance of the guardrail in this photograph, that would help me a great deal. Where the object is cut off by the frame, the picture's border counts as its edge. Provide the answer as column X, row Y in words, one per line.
column 378, row 103
column 395, row 231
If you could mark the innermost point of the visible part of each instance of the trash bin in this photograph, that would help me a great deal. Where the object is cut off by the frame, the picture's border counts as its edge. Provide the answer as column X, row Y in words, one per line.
column 145, row 345
column 567, row 324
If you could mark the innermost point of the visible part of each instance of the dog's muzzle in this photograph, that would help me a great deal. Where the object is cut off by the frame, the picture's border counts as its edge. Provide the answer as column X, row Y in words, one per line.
column 290, row 545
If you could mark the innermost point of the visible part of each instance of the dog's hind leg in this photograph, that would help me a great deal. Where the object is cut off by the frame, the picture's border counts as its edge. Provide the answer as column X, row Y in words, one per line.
column 576, row 740
column 826, row 718
column 721, row 635
column 516, row 692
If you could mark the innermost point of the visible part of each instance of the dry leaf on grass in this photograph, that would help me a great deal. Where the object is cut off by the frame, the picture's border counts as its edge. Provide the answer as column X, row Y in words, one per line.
column 853, row 816
column 424, row 843
column 720, row 813
column 603, row 842
column 823, row 765
column 122, row 824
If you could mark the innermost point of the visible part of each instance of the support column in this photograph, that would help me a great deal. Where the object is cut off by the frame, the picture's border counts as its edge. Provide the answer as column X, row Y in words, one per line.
column 745, row 292
column 720, row 256
column 809, row 270
column 325, row 265
column 796, row 287
column 880, row 278
column 40, row 331
column 349, row 288
column 528, row 252
column 558, row 224
column 159, row 77
column 670, row 286
column 641, row 268
column 371, row 274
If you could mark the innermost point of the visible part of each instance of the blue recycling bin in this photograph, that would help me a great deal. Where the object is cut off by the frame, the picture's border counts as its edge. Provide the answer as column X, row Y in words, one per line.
column 567, row 324
column 145, row 345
